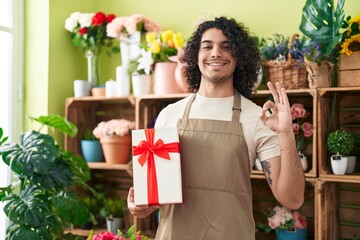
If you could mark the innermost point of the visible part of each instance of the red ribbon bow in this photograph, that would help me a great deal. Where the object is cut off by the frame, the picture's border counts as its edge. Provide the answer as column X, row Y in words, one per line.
column 146, row 150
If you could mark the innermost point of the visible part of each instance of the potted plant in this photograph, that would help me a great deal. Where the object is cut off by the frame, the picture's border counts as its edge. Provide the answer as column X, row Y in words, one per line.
column 340, row 144
column 91, row 148
column 302, row 129
column 162, row 46
column 288, row 224
column 115, row 139
column 46, row 197
column 140, row 70
column 321, row 22
column 349, row 62
column 113, row 210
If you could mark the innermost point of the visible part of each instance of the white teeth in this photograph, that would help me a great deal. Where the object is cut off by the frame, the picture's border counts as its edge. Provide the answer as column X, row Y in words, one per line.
column 216, row 64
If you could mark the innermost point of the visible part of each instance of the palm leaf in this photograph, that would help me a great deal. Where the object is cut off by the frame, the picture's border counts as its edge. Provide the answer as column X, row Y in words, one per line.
column 59, row 123
column 321, row 22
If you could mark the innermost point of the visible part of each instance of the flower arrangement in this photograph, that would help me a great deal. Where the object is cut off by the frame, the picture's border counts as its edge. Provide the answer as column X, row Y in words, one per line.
column 120, row 127
column 131, row 234
column 283, row 218
column 278, row 47
column 88, row 31
column 125, row 26
column 142, row 64
column 350, row 43
column 164, row 44
column 302, row 130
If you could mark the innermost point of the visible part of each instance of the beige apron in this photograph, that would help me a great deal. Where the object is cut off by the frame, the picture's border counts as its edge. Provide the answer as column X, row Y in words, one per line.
column 216, row 182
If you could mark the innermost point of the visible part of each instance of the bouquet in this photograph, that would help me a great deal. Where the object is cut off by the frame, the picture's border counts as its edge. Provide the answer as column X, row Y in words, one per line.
column 125, row 26
column 131, row 234
column 303, row 130
column 283, row 218
column 350, row 42
column 142, row 64
column 88, row 31
column 164, row 44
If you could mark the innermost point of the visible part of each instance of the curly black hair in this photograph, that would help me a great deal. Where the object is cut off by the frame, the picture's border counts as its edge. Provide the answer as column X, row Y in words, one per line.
column 244, row 50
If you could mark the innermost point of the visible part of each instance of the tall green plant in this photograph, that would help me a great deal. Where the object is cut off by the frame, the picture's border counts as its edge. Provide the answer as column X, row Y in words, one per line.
column 321, row 22
column 47, row 196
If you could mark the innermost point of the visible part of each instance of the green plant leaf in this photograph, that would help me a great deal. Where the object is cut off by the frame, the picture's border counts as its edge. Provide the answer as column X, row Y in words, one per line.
column 59, row 123
column 321, row 22
column 34, row 154
column 70, row 208
column 20, row 232
column 30, row 208
column 78, row 166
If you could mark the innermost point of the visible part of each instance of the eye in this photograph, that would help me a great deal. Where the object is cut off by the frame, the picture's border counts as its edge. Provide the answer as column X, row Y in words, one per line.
column 206, row 47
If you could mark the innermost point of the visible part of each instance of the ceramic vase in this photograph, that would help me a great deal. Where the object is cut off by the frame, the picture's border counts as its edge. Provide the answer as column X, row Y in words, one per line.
column 339, row 164
column 141, row 84
column 92, row 151
column 303, row 160
column 351, row 164
column 291, row 234
column 164, row 78
column 93, row 68
column 116, row 148
column 113, row 224
column 129, row 48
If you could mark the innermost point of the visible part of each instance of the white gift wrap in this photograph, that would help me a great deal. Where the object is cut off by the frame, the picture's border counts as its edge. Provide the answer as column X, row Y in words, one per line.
column 168, row 172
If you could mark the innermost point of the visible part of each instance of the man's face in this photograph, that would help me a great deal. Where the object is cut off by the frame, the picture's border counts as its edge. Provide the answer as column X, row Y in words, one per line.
column 216, row 63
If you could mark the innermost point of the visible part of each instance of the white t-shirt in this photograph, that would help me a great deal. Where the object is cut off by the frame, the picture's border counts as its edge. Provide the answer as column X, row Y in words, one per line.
column 262, row 142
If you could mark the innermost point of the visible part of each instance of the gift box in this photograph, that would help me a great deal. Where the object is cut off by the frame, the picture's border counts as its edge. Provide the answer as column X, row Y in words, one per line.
column 156, row 166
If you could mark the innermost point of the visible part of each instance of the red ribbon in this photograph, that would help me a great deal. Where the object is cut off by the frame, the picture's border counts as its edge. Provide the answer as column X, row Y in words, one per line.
column 146, row 150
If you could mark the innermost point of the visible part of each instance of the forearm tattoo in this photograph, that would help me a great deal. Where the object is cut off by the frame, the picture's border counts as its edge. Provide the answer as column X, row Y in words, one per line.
column 266, row 168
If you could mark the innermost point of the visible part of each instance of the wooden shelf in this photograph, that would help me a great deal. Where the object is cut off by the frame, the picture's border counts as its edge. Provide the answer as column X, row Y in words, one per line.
column 108, row 166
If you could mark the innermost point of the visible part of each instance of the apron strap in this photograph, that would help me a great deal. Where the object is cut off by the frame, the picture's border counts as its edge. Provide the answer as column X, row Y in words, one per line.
column 188, row 106
column 236, row 107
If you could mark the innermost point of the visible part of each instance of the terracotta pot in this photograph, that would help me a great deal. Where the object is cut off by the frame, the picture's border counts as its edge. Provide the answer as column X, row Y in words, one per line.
column 116, row 149
column 98, row 92
column 164, row 78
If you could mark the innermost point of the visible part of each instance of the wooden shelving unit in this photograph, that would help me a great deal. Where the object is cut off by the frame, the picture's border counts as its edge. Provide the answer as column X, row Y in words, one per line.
column 328, row 198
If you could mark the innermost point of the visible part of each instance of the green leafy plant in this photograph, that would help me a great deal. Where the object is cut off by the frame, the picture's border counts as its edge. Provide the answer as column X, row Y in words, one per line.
column 113, row 207
column 46, row 197
column 89, row 135
column 131, row 234
column 321, row 22
column 341, row 142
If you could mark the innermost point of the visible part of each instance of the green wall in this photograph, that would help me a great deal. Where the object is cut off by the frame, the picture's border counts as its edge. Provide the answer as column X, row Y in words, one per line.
column 52, row 63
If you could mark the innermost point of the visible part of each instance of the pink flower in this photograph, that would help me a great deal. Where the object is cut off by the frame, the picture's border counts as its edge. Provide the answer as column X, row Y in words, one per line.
column 307, row 128
column 298, row 111
column 115, row 28
column 105, row 236
column 300, row 220
column 296, row 128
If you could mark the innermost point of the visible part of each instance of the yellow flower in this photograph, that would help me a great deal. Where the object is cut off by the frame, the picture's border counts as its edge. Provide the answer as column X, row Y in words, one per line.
column 351, row 45
column 355, row 19
column 150, row 37
column 178, row 40
column 155, row 47
column 166, row 36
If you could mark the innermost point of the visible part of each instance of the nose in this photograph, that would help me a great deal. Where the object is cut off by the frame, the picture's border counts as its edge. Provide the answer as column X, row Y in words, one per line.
column 216, row 52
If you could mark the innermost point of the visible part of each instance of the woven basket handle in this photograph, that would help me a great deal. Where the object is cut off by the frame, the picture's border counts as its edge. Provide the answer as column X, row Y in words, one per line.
column 292, row 40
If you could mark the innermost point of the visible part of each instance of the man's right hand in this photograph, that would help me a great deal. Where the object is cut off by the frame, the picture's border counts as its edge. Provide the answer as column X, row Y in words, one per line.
column 139, row 211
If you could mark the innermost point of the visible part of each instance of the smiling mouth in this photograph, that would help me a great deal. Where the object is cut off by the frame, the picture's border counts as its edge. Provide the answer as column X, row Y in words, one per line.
column 216, row 64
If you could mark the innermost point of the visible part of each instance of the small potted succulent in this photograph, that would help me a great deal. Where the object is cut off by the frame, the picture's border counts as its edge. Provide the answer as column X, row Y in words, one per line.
column 340, row 144
column 113, row 210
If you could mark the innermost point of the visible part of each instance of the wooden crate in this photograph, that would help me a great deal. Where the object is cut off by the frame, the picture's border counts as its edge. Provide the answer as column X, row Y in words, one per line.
column 263, row 200
column 87, row 112
column 349, row 70
column 338, row 209
column 346, row 105
column 308, row 97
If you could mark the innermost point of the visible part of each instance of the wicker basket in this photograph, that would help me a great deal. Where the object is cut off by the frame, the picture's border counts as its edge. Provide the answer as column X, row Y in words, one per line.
column 286, row 72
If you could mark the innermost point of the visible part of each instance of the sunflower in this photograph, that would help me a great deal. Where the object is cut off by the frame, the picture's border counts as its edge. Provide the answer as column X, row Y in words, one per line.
column 351, row 45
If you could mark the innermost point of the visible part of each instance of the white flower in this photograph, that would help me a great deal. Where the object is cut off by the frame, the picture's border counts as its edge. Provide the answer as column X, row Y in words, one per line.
column 85, row 19
column 72, row 21
column 145, row 61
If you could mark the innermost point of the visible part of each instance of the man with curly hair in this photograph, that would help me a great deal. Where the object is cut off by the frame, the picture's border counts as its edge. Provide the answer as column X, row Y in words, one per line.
column 222, row 132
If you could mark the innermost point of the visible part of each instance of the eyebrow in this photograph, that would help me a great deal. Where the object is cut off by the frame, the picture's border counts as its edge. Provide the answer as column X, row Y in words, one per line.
column 209, row 41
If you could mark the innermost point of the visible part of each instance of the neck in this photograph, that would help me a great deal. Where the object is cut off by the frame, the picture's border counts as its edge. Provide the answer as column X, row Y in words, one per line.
column 208, row 89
